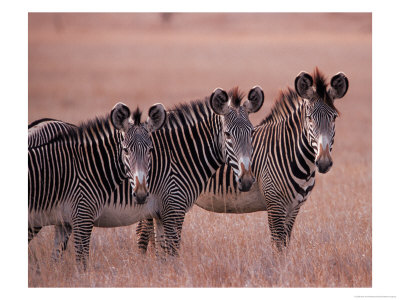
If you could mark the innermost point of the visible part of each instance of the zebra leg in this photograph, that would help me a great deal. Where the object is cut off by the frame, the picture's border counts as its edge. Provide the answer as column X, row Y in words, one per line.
column 32, row 232
column 276, row 224
column 82, row 230
column 62, row 234
column 289, row 222
column 172, row 228
column 145, row 233
column 159, row 235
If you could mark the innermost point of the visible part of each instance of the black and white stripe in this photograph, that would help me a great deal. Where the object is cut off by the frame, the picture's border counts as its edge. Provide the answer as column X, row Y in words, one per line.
column 290, row 144
column 196, row 140
column 73, row 171
column 69, row 177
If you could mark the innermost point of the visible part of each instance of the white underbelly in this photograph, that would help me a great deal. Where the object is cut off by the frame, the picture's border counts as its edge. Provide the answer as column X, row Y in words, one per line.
column 241, row 202
column 55, row 216
column 124, row 215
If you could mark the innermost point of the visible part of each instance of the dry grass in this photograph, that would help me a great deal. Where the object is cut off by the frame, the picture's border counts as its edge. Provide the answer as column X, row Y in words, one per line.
column 80, row 66
column 331, row 247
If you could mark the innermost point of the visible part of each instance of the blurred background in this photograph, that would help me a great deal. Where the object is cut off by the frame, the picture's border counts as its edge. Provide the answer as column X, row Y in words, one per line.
column 81, row 65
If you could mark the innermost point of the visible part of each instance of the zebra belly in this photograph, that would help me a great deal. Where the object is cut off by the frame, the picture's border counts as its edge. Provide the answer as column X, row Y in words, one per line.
column 124, row 215
column 237, row 203
column 56, row 216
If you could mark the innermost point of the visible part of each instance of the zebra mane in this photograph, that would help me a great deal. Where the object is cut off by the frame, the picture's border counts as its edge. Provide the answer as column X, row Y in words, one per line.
column 188, row 113
column 288, row 101
column 136, row 116
column 95, row 123
column 321, row 88
column 197, row 110
column 236, row 96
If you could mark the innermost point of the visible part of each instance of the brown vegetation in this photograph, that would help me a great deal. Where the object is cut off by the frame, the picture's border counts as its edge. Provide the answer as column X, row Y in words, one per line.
column 81, row 65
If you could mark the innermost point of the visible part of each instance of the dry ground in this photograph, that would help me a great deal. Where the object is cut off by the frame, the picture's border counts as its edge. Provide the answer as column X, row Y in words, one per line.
column 80, row 65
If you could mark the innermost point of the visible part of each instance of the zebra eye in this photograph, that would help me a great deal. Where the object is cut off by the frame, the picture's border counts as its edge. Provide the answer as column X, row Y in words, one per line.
column 125, row 150
column 227, row 134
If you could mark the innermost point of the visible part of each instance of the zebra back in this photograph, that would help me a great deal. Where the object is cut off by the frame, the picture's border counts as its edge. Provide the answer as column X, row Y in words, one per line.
column 68, row 162
column 42, row 131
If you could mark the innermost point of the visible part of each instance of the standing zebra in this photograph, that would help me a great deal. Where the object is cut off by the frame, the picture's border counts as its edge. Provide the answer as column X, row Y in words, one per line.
column 73, row 170
column 197, row 139
column 290, row 144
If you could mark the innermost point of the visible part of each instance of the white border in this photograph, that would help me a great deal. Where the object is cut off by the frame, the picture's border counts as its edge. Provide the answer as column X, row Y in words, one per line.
column 14, row 62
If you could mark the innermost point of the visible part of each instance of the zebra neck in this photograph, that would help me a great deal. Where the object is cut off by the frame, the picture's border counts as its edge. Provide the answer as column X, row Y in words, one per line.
column 304, row 147
column 196, row 148
column 101, row 156
column 291, row 144
column 208, row 155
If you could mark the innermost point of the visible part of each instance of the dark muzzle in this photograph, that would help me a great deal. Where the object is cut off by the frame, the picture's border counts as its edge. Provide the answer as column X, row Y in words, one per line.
column 140, row 192
column 324, row 160
column 246, row 180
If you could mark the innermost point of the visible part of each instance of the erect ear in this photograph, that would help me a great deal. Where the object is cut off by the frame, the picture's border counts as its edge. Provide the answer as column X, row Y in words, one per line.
column 255, row 100
column 304, row 85
column 339, row 86
column 219, row 102
column 120, row 116
column 157, row 117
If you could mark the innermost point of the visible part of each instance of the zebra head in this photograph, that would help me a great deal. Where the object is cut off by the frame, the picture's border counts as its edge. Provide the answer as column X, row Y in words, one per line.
column 320, row 112
column 136, row 144
column 236, row 132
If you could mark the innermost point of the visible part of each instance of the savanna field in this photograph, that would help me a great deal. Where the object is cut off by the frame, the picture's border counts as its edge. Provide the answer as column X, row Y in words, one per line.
column 80, row 65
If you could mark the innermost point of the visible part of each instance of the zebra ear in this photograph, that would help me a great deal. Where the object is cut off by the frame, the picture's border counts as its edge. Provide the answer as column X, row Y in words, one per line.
column 339, row 86
column 120, row 116
column 255, row 100
column 157, row 117
column 303, row 84
column 219, row 102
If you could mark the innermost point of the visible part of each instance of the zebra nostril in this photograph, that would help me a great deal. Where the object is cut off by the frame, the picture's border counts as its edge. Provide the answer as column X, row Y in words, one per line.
column 148, row 194
column 240, row 180
column 134, row 194
column 254, row 179
column 330, row 164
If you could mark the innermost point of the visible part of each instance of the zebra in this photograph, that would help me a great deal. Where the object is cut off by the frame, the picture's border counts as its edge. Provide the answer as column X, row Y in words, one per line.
column 72, row 170
column 292, row 143
column 198, row 138
column 43, row 130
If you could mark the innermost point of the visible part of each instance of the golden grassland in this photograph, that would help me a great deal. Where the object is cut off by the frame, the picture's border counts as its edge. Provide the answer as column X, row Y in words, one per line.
column 81, row 65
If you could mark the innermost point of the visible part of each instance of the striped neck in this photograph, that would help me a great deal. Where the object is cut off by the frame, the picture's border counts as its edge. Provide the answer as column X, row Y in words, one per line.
column 303, row 144
column 205, row 127
column 289, row 133
column 192, row 136
column 100, row 152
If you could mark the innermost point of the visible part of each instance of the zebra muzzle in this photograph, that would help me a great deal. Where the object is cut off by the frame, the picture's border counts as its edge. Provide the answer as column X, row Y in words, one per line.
column 324, row 159
column 246, row 178
column 140, row 192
